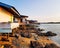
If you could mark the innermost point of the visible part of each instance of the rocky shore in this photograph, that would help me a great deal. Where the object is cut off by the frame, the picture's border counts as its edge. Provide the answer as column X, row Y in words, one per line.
column 33, row 40
column 49, row 33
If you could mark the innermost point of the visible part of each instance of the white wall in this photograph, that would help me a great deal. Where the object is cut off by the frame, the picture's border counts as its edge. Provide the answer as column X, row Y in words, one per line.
column 14, row 25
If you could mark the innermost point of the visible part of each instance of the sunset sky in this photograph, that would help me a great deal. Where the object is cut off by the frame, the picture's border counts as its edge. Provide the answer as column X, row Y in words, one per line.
column 41, row 10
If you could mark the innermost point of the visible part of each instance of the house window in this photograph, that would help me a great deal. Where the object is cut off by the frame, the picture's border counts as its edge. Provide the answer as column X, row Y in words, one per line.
column 15, row 20
column 24, row 20
column 21, row 20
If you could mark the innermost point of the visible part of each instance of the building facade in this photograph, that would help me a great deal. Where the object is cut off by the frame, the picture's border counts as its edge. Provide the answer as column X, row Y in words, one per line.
column 7, row 15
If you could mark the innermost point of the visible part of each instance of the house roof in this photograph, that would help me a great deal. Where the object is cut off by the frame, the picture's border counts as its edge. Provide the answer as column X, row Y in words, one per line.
column 33, row 22
column 11, row 9
column 23, row 16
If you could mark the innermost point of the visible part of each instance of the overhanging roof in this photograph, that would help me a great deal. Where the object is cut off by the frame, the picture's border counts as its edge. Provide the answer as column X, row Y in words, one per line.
column 11, row 9
column 32, row 21
column 23, row 16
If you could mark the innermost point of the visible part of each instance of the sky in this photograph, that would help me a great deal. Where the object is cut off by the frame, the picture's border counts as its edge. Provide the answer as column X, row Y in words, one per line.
column 41, row 10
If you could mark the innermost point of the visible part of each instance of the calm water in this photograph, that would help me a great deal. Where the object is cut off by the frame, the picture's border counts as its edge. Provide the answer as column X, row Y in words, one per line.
column 55, row 28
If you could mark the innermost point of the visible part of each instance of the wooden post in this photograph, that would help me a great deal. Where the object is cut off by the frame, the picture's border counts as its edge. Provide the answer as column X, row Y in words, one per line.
column 7, row 35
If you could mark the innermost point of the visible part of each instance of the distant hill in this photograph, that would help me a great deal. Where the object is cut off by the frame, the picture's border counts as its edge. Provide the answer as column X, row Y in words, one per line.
column 49, row 22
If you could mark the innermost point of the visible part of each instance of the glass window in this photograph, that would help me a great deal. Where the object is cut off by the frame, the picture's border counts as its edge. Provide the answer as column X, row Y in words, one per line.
column 15, row 20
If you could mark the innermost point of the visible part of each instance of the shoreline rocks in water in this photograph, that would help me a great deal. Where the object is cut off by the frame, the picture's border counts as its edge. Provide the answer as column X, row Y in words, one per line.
column 28, row 40
column 49, row 33
column 51, row 46
column 40, row 29
column 35, row 44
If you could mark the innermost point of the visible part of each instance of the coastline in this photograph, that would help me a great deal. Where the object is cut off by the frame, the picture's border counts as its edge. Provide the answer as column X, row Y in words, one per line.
column 25, row 42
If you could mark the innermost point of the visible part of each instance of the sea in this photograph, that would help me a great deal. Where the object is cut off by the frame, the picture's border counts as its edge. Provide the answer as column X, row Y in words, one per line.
column 55, row 28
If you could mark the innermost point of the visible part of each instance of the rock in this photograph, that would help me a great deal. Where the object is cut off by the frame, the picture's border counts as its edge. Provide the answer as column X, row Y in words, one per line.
column 40, row 29
column 17, row 36
column 25, row 34
column 4, row 39
column 8, row 46
column 51, row 46
column 49, row 33
column 35, row 44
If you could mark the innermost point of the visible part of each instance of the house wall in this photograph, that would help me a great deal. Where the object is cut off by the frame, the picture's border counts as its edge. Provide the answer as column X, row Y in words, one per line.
column 22, row 20
column 16, row 20
column 14, row 25
column 5, row 16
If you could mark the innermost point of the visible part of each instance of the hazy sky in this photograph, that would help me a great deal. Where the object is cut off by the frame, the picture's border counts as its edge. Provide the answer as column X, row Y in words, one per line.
column 41, row 10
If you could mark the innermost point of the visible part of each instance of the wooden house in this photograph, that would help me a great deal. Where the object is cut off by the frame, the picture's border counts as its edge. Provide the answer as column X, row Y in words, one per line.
column 23, row 19
column 7, row 15
column 32, row 25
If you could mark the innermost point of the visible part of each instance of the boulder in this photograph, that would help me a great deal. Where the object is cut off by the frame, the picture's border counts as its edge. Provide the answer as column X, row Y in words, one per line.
column 40, row 29
column 35, row 44
column 51, row 46
column 25, row 34
column 49, row 33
